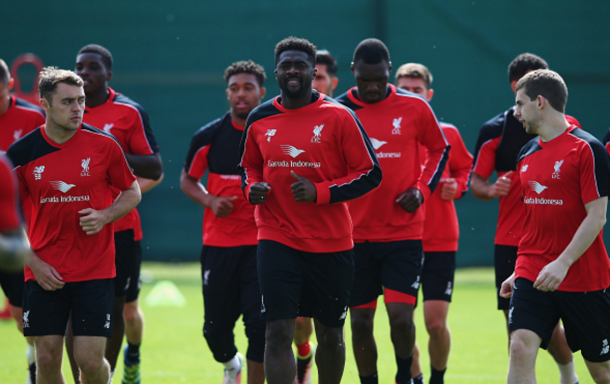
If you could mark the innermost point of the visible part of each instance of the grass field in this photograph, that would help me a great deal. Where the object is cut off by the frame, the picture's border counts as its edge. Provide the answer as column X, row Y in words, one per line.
column 174, row 350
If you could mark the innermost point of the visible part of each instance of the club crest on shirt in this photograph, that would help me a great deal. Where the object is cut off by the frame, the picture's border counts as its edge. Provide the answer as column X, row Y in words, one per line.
column 17, row 134
column 317, row 134
column 557, row 167
column 108, row 127
column 270, row 132
column 38, row 172
column 396, row 124
column 85, row 164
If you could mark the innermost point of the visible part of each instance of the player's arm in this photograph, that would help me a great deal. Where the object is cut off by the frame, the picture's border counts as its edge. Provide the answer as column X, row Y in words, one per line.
column 482, row 189
column 460, row 164
column 14, row 250
column 92, row 221
column 146, row 166
column 507, row 287
column 222, row 206
column 553, row 273
column 148, row 184
column 251, row 168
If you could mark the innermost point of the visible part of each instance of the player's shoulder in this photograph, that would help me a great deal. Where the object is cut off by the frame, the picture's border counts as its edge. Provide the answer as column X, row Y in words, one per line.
column 529, row 149
column 106, row 137
column 263, row 111
column 586, row 137
column 208, row 131
column 494, row 126
column 120, row 99
column 28, row 107
column 345, row 99
column 28, row 148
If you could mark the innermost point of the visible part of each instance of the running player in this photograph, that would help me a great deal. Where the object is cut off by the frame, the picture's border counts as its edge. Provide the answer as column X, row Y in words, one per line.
column 128, row 122
column 499, row 142
column 325, row 81
column 17, row 119
column 302, row 157
column 388, row 224
column 441, row 232
column 68, row 170
column 228, row 258
column 562, row 268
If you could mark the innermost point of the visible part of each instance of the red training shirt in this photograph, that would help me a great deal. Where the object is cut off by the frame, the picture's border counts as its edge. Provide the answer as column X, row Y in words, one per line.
column 20, row 119
column 9, row 216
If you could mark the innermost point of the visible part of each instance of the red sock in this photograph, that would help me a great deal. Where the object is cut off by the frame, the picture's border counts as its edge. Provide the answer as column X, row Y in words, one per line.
column 304, row 350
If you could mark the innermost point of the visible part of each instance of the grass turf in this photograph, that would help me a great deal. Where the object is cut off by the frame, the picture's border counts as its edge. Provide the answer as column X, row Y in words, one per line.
column 174, row 350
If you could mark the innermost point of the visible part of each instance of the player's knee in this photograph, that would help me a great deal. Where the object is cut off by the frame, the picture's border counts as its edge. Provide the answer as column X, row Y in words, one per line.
column 519, row 347
column 91, row 366
column 361, row 324
column 131, row 313
column 402, row 321
column 47, row 362
column 331, row 338
column 279, row 335
column 436, row 327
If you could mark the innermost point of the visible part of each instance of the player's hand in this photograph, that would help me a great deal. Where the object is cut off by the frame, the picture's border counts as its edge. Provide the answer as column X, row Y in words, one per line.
column 46, row 276
column 410, row 200
column 507, row 287
column 501, row 186
column 258, row 193
column 92, row 221
column 449, row 189
column 551, row 276
column 304, row 191
column 222, row 206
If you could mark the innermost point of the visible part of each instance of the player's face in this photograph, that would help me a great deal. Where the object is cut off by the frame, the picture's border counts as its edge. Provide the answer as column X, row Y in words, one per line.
column 66, row 110
column 91, row 68
column 4, row 98
column 244, row 94
column 415, row 85
column 324, row 82
column 294, row 73
column 371, row 80
column 526, row 111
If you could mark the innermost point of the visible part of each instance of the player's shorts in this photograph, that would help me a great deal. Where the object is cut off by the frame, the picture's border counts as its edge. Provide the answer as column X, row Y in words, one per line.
column 90, row 302
column 585, row 317
column 128, row 261
column 231, row 289
column 12, row 285
column 438, row 275
column 395, row 266
column 505, row 257
column 298, row 283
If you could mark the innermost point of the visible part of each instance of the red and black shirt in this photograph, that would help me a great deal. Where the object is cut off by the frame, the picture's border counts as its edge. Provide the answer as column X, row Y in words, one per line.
column 323, row 142
column 20, row 119
column 215, row 147
column 400, row 127
column 9, row 201
column 60, row 180
column 557, row 179
column 128, row 122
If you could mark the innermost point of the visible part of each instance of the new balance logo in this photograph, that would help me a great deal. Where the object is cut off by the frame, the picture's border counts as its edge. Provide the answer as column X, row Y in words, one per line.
column 396, row 124
column 449, row 289
column 344, row 314
column 108, row 127
column 524, row 168
column 377, row 143
column 107, row 324
column 61, row 186
column 85, row 164
column 317, row 133
column 605, row 346
column 263, row 309
column 557, row 169
column 206, row 277
column 537, row 187
column 38, row 172
column 291, row 151
column 270, row 132
column 26, row 321
column 415, row 285
column 510, row 314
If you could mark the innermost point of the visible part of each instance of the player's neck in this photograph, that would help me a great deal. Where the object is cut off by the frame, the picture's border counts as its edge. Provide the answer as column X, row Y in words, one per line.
column 298, row 102
column 237, row 121
column 58, row 133
column 97, row 98
column 5, row 105
column 553, row 126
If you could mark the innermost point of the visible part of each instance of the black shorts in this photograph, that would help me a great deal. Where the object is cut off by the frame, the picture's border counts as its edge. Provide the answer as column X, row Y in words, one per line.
column 585, row 317
column 90, row 302
column 12, row 285
column 505, row 257
column 395, row 266
column 438, row 275
column 298, row 283
column 128, row 261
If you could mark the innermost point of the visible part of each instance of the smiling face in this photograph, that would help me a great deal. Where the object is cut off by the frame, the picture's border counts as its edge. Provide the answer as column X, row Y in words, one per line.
column 294, row 73
column 371, row 80
column 90, row 67
column 66, row 107
column 244, row 94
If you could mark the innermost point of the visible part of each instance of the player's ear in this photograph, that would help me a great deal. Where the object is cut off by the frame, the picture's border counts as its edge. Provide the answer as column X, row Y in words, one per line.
column 108, row 75
column 11, row 84
column 429, row 95
column 263, row 91
column 334, row 83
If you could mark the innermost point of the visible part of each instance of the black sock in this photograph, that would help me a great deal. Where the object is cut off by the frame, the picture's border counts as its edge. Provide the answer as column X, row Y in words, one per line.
column 437, row 377
column 372, row 379
column 419, row 379
column 133, row 352
column 403, row 373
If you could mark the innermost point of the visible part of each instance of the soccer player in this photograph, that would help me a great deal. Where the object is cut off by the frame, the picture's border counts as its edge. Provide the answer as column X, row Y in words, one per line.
column 562, row 268
column 17, row 119
column 441, row 232
column 388, row 223
column 228, row 258
column 303, row 156
column 499, row 142
column 68, row 170
column 325, row 81
column 129, row 124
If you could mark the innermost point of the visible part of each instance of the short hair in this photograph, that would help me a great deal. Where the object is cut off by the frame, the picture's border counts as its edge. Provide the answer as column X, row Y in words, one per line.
column 5, row 74
column 296, row 44
column 415, row 71
column 51, row 76
column 545, row 83
column 325, row 58
column 371, row 51
column 95, row 48
column 246, row 67
column 523, row 64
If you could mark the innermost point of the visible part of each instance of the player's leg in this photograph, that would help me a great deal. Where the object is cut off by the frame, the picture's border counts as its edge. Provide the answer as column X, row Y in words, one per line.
column 330, row 358
column 600, row 372
column 524, row 346
column 222, row 305
column 416, row 373
column 305, row 349
column 48, row 359
column 363, row 339
column 561, row 352
column 134, row 323
column 504, row 265
column 89, row 354
column 251, row 311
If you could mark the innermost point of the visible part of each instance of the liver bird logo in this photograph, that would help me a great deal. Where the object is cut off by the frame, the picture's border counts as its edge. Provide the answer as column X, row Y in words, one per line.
column 317, row 133
column 61, row 186
column 537, row 187
column 292, row 151
column 377, row 143
column 85, row 164
column 558, row 166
